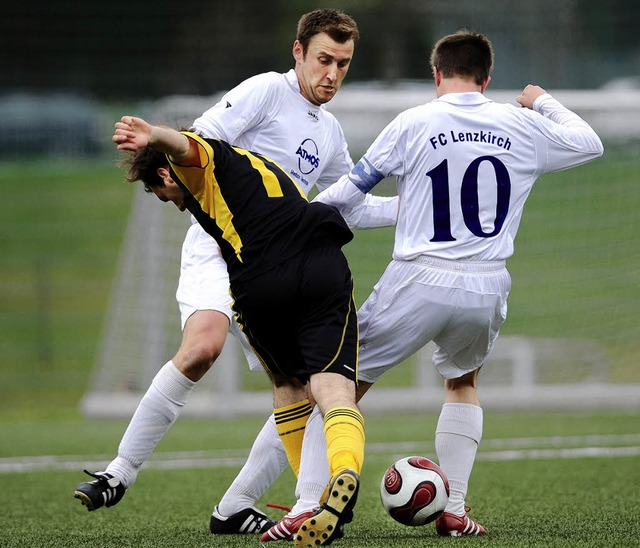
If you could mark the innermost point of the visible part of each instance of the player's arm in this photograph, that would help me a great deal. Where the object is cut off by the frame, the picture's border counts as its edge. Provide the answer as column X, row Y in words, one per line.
column 569, row 140
column 350, row 190
column 132, row 133
column 374, row 212
column 536, row 98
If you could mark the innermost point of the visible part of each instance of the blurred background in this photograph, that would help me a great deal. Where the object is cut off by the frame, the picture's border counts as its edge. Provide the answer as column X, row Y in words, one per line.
column 71, row 300
column 65, row 60
column 114, row 50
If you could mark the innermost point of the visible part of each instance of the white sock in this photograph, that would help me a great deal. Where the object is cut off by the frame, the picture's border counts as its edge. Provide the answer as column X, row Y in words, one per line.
column 267, row 460
column 157, row 411
column 458, row 435
column 314, row 474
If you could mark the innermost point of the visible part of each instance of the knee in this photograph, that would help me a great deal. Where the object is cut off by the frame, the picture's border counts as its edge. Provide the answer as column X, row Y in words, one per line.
column 462, row 389
column 195, row 359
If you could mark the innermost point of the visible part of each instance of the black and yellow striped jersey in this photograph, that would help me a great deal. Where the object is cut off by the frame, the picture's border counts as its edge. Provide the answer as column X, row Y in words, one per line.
column 252, row 208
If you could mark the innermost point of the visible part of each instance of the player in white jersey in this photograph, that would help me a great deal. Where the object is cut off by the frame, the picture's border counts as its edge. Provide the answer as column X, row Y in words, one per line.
column 280, row 116
column 464, row 166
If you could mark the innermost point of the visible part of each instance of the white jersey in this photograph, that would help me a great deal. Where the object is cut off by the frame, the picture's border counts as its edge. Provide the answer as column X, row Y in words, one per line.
column 465, row 166
column 268, row 114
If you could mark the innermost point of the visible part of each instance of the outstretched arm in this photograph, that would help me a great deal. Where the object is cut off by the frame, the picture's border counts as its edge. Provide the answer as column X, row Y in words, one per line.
column 133, row 133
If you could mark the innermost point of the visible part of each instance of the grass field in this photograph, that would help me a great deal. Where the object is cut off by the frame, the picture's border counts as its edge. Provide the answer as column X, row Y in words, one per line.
column 550, row 479
column 553, row 480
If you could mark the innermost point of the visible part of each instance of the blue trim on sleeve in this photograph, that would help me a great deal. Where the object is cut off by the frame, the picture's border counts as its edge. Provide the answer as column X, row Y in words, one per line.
column 365, row 176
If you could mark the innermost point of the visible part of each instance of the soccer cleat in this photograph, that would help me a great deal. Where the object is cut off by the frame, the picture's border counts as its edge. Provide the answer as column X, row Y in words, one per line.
column 450, row 525
column 104, row 490
column 286, row 528
column 325, row 525
column 245, row 522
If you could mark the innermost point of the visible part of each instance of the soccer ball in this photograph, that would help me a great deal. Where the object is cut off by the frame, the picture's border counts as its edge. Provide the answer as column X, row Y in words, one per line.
column 414, row 491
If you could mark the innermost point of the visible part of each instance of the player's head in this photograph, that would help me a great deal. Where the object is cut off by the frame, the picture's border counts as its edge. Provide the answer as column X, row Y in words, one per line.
column 337, row 24
column 464, row 54
column 323, row 50
column 152, row 168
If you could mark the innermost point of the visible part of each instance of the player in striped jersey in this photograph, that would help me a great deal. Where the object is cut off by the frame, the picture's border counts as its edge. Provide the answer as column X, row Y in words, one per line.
column 291, row 284
column 465, row 167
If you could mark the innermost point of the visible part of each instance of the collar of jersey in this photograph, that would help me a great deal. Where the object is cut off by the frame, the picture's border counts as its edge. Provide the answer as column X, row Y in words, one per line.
column 469, row 98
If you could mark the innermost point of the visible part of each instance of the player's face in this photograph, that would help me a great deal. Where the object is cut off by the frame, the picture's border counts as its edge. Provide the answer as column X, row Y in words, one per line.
column 321, row 71
column 170, row 192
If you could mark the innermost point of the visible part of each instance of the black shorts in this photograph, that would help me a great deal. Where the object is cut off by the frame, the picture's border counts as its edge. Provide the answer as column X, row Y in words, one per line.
column 300, row 317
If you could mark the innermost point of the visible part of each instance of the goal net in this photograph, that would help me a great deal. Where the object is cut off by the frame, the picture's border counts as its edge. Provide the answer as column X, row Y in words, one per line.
column 572, row 334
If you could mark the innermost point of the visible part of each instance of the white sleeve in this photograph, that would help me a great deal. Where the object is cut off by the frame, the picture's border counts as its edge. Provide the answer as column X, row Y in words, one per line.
column 570, row 140
column 373, row 212
column 343, row 194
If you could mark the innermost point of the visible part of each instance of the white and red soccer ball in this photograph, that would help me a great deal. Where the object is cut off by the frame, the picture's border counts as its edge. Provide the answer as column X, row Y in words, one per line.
column 414, row 491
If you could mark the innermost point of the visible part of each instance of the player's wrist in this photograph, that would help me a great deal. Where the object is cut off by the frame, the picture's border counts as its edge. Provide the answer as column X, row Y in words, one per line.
column 540, row 100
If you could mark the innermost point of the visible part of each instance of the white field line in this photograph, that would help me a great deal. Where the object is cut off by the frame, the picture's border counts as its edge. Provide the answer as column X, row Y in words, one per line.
column 615, row 445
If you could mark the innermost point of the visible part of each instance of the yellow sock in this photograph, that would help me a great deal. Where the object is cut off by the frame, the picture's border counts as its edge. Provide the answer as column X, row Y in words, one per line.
column 291, row 421
column 344, row 429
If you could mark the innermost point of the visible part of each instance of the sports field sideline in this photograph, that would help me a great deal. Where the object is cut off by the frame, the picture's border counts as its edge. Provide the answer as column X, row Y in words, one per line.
column 510, row 449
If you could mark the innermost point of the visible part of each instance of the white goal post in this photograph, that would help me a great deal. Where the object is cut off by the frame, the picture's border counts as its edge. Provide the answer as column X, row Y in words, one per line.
column 142, row 325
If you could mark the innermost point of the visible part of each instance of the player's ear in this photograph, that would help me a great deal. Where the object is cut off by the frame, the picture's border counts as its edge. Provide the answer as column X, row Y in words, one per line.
column 164, row 174
column 298, row 51
column 437, row 77
column 485, row 84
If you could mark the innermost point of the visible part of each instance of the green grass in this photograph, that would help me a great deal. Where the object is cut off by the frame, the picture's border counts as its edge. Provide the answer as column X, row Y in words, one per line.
column 530, row 502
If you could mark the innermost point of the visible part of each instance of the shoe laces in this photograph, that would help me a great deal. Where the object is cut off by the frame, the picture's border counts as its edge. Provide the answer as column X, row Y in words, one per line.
column 103, row 478
column 285, row 509
column 100, row 476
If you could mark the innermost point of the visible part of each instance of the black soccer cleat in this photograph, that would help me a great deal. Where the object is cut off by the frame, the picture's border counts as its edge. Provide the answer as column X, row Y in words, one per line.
column 104, row 490
column 246, row 522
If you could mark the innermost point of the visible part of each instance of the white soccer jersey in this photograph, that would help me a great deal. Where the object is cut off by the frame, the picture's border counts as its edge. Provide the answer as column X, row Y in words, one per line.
column 465, row 166
column 267, row 114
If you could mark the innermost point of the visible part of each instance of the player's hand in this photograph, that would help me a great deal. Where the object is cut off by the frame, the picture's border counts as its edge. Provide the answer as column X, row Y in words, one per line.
column 131, row 133
column 529, row 95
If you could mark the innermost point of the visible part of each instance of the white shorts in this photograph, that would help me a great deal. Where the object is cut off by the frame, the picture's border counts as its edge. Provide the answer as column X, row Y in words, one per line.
column 458, row 305
column 204, row 284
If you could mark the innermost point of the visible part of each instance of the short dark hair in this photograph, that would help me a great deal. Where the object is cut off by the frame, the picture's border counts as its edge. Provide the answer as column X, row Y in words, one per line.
column 337, row 24
column 466, row 54
column 143, row 164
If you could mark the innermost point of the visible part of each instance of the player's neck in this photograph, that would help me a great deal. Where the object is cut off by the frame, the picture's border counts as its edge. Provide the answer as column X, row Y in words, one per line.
column 457, row 85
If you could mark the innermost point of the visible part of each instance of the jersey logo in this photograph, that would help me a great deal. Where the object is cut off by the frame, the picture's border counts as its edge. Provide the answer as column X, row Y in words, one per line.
column 313, row 115
column 228, row 105
column 308, row 158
